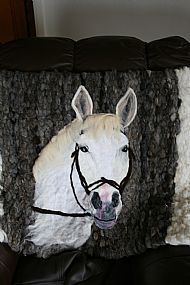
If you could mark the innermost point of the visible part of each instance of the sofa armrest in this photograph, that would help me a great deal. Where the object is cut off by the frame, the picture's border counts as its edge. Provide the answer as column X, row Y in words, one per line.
column 8, row 262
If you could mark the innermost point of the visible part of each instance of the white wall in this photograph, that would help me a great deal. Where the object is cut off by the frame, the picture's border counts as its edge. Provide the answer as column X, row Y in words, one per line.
column 145, row 19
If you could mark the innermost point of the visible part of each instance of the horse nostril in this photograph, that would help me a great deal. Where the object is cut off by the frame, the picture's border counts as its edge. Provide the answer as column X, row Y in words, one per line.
column 115, row 199
column 96, row 201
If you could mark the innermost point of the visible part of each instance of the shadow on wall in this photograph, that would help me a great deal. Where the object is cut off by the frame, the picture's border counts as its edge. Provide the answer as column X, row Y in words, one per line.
column 79, row 19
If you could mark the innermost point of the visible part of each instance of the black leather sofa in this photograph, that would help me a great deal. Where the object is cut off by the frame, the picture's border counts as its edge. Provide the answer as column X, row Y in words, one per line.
column 165, row 265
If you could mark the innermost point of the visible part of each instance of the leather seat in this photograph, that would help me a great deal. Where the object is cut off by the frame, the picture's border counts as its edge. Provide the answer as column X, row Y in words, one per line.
column 72, row 268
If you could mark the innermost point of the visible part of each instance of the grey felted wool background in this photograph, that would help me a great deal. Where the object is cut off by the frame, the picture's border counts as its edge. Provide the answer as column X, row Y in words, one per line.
column 35, row 106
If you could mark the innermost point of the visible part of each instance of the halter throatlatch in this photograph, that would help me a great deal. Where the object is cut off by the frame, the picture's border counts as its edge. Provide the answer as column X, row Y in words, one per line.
column 88, row 187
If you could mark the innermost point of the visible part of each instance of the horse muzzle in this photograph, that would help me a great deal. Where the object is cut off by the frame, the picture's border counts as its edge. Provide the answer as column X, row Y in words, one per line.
column 105, row 215
column 105, row 224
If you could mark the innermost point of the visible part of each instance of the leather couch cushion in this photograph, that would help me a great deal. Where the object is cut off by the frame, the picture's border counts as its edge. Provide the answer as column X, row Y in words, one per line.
column 165, row 265
column 108, row 53
column 171, row 52
column 92, row 54
column 71, row 268
column 99, row 53
column 35, row 54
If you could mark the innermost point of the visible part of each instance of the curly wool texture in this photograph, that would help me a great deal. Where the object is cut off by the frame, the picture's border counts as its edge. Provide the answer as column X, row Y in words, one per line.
column 35, row 106
column 179, row 231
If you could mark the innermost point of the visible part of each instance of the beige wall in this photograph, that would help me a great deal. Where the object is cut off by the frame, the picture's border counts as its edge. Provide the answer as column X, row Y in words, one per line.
column 145, row 19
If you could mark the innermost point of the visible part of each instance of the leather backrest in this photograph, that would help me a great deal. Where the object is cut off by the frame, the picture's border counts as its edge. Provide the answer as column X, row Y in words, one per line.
column 169, row 52
column 94, row 54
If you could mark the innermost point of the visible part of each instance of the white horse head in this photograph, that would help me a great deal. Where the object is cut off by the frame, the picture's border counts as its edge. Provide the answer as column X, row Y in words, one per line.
column 104, row 152
column 83, row 167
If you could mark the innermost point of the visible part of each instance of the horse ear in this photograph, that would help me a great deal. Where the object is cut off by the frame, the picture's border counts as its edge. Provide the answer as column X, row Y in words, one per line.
column 126, row 108
column 82, row 103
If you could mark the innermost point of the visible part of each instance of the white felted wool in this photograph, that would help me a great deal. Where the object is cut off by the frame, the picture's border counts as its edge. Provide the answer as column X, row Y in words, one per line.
column 179, row 231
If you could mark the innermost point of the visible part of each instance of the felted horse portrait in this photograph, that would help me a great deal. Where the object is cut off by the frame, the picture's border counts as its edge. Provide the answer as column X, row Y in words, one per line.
column 81, row 173
column 75, row 190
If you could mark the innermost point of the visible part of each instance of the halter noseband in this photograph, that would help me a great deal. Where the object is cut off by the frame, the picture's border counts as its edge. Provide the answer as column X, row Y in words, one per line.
column 87, row 187
column 102, row 180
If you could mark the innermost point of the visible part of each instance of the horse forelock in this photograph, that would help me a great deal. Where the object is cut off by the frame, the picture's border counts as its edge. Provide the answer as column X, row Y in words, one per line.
column 98, row 124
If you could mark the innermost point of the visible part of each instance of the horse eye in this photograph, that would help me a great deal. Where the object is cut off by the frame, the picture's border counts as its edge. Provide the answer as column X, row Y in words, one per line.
column 125, row 148
column 84, row 148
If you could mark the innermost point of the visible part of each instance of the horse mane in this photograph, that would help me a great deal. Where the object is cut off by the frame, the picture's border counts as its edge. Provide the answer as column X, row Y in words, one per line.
column 54, row 153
